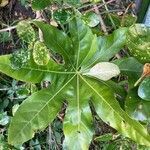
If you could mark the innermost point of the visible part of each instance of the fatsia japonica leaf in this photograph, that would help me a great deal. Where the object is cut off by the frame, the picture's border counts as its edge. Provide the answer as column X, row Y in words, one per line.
column 37, row 111
column 108, row 46
column 109, row 110
column 56, row 40
column 68, row 82
column 78, row 121
column 111, row 44
column 84, row 42
column 31, row 72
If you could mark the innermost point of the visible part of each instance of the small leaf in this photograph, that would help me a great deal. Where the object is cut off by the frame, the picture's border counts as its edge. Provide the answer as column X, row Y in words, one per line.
column 4, row 119
column 131, row 68
column 91, row 19
column 138, row 42
column 61, row 16
column 19, row 58
column 144, row 89
column 104, row 71
column 26, row 32
column 137, row 108
column 40, row 53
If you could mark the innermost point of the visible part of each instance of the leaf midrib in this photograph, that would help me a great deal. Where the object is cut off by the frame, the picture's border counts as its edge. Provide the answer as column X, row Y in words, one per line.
column 102, row 53
column 45, row 105
column 112, row 107
column 41, row 70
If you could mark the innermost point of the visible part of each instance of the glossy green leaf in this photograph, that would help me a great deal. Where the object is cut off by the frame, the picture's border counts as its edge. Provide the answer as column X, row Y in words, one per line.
column 138, row 42
column 38, row 4
column 136, row 107
column 56, row 40
column 84, row 42
column 131, row 68
column 35, row 113
column 62, row 16
column 108, row 46
column 4, row 119
column 69, row 83
column 110, row 112
column 144, row 89
column 41, row 54
column 111, row 44
column 91, row 19
column 78, row 124
column 31, row 72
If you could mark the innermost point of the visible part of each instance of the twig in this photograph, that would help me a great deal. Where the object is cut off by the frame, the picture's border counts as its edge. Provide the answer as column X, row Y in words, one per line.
column 99, row 6
column 103, row 26
column 112, row 21
column 110, row 11
column 49, row 136
column 122, row 21
column 39, row 17
column 8, row 29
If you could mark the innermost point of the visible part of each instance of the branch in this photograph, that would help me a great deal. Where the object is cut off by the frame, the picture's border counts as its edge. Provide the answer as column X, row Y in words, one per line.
column 39, row 17
column 103, row 26
column 8, row 29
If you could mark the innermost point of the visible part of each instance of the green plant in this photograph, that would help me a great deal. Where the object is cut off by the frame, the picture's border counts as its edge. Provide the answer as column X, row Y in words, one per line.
column 74, row 80
column 78, row 65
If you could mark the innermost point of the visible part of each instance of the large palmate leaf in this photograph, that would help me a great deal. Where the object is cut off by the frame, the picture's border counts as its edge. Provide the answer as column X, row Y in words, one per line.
column 108, row 46
column 57, row 41
column 69, row 82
